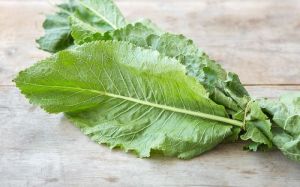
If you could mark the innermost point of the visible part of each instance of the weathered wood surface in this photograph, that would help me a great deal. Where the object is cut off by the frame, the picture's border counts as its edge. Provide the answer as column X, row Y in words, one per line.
column 257, row 39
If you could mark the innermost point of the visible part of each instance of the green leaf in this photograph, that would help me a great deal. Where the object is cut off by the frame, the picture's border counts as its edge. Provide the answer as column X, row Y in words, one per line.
column 224, row 88
column 128, row 97
column 288, row 144
column 106, row 11
column 255, row 133
column 285, row 114
column 57, row 29
column 258, row 128
column 95, row 17
column 87, row 16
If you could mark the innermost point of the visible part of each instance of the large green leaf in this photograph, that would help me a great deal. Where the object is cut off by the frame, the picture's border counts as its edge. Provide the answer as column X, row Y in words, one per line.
column 225, row 89
column 128, row 97
column 285, row 114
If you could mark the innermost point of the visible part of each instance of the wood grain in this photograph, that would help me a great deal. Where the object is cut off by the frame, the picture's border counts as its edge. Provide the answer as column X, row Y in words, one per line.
column 258, row 39
column 39, row 149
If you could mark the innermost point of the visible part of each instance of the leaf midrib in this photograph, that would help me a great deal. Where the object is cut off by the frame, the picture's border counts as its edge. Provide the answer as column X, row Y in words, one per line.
column 87, row 26
column 147, row 103
column 98, row 14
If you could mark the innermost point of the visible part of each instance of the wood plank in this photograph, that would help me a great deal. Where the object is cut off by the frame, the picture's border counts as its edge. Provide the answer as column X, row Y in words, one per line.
column 39, row 149
column 259, row 40
column 271, row 92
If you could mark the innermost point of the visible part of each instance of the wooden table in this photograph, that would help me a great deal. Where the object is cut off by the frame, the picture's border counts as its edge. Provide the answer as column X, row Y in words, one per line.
column 257, row 39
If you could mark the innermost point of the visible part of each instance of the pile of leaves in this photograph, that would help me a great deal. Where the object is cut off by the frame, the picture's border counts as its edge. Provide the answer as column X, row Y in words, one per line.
column 133, row 86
